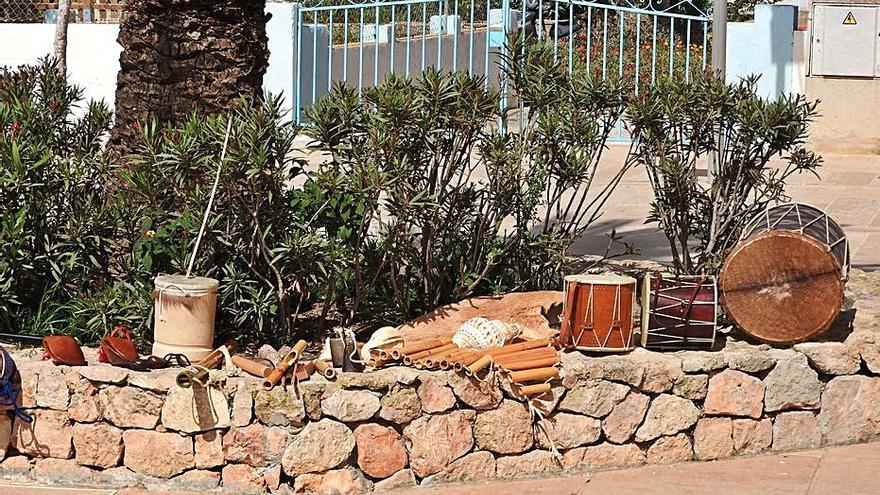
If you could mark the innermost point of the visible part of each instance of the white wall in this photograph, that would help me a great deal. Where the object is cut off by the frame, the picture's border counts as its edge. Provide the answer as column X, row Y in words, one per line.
column 93, row 53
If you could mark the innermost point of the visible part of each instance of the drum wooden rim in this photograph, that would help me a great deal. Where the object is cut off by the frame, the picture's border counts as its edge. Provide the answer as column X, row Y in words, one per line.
column 827, row 259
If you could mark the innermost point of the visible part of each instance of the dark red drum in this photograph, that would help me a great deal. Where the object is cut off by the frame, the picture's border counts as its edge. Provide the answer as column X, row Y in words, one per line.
column 784, row 281
column 679, row 312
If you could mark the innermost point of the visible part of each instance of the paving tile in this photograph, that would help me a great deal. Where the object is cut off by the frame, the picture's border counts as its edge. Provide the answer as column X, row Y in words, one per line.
column 17, row 489
column 850, row 470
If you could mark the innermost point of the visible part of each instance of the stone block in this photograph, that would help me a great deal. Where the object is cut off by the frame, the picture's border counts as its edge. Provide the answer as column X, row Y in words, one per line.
column 831, row 358
column 478, row 394
column 670, row 450
column 380, row 450
column 208, row 447
column 242, row 479
column 85, row 407
column 350, row 406
column 752, row 436
column 97, row 445
column 796, row 430
column 532, row 463
column 667, row 415
column 158, row 454
column 49, row 435
column 130, row 407
column 255, row 445
column 692, row 387
column 279, row 407
column 338, row 482
column 713, row 438
column 401, row 406
column 734, row 393
column 791, row 385
column 849, row 410
column 477, row 466
column 63, row 472
column 567, row 431
column 625, row 418
column 594, row 398
column 320, row 446
column 434, row 393
column 505, row 430
column 52, row 390
column 436, row 441
column 602, row 456
column 399, row 480
column 195, row 409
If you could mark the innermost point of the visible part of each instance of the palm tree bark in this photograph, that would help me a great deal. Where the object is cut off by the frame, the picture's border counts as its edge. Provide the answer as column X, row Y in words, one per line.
column 182, row 56
column 61, row 35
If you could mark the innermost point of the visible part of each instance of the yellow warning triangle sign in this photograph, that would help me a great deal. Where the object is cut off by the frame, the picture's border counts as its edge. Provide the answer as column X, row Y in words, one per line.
column 849, row 20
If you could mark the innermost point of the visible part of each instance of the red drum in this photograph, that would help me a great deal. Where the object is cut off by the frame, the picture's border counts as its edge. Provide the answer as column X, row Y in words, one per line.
column 784, row 281
column 597, row 313
column 679, row 312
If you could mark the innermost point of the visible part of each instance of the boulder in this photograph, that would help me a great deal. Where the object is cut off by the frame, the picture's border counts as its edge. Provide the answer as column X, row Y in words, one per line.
column 693, row 387
column 279, row 407
column 399, row 480
column 242, row 479
column 401, row 406
column 475, row 393
column 255, row 445
column 661, row 371
column 52, row 390
column 531, row 463
column 208, row 448
column 49, row 435
column 98, row 445
column 158, row 454
column 702, row 361
column 831, row 358
column 748, row 359
column 195, row 409
column 434, row 393
column 85, row 407
column 130, row 407
column 602, row 456
column 338, row 482
column 752, row 436
column 577, row 367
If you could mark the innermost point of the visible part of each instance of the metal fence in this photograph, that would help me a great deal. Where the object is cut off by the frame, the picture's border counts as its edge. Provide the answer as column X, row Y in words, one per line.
column 34, row 11
column 361, row 43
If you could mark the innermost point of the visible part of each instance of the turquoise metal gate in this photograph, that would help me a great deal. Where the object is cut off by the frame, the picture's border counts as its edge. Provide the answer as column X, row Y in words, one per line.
column 360, row 44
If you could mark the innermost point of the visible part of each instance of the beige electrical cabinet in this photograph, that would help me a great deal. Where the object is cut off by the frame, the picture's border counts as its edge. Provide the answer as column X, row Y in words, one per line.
column 845, row 40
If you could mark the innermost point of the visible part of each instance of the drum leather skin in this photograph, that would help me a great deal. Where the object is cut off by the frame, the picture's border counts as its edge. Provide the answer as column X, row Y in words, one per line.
column 784, row 283
column 62, row 349
column 679, row 313
column 598, row 314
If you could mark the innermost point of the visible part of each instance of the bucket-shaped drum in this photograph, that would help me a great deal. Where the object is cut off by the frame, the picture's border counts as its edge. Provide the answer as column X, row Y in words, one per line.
column 184, row 310
column 597, row 313
column 783, row 283
column 679, row 312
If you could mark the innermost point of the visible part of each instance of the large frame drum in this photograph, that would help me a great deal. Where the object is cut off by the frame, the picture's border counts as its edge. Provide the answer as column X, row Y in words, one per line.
column 784, row 281
column 679, row 312
column 598, row 313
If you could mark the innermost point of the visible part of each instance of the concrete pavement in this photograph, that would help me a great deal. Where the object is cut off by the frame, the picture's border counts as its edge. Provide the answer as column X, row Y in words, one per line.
column 847, row 470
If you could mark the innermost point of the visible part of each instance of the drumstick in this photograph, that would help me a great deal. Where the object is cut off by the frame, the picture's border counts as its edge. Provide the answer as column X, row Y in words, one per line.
column 252, row 367
column 281, row 368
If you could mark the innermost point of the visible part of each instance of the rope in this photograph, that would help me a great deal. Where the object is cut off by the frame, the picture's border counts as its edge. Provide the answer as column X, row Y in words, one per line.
column 160, row 312
column 192, row 258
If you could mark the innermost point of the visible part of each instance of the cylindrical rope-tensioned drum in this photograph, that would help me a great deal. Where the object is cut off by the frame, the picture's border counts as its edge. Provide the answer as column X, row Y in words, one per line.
column 598, row 313
column 185, row 308
column 783, row 283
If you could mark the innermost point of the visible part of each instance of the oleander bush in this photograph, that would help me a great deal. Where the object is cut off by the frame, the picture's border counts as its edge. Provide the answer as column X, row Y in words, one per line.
column 677, row 125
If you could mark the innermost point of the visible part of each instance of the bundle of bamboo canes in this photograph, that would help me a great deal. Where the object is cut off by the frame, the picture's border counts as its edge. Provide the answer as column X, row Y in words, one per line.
column 524, row 363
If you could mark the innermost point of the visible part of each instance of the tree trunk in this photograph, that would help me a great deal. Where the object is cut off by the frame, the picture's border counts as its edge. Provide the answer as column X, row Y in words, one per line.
column 61, row 35
column 181, row 56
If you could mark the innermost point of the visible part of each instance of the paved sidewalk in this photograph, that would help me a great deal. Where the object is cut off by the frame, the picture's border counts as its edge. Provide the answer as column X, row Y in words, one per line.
column 848, row 470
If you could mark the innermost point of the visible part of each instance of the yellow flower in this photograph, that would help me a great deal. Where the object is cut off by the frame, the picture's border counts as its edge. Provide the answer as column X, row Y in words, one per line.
column 150, row 234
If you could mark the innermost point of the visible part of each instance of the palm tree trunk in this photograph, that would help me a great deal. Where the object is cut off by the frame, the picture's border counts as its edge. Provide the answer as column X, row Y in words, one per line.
column 182, row 56
column 61, row 35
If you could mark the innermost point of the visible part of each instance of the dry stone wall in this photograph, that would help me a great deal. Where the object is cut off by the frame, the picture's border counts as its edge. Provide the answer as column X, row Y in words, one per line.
column 400, row 427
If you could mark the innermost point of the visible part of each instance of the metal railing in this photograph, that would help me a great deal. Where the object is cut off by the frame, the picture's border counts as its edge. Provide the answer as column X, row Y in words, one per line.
column 362, row 43
column 37, row 11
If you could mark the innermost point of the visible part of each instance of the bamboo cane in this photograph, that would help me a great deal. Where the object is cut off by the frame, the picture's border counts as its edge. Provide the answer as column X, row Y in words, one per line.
column 431, row 352
column 528, row 364
column 479, row 364
column 284, row 365
column 470, row 359
column 521, row 346
column 419, row 347
column 324, row 369
column 252, row 367
column 536, row 389
column 215, row 358
column 533, row 374
column 524, row 355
